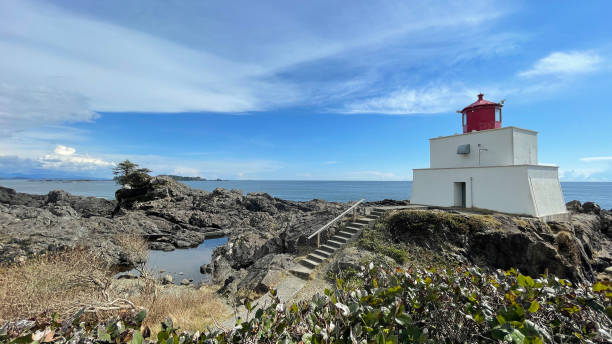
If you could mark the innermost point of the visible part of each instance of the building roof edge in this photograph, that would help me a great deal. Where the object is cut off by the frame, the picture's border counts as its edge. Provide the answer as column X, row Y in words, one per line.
column 485, row 131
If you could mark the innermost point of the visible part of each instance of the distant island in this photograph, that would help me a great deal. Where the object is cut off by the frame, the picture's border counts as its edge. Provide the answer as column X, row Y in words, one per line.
column 187, row 179
column 183, row 178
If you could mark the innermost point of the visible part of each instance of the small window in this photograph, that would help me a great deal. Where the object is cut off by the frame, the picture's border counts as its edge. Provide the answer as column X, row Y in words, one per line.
column 464, row 119
column 497, row 115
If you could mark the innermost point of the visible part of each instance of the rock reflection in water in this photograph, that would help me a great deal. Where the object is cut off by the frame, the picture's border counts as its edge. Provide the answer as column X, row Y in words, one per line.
column 187, row 261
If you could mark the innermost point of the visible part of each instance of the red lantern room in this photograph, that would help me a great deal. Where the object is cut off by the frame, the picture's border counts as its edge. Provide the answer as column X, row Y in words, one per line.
column 481, row 115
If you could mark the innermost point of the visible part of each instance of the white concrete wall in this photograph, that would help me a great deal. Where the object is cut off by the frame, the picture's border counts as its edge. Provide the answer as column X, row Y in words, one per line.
column 506, row 188
column 546, row 190
column 504, row 147
column 525, row 145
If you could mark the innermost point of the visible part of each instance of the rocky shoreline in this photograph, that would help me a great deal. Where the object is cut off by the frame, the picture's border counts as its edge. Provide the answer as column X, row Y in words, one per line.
column 168, row 214
column 265, row 234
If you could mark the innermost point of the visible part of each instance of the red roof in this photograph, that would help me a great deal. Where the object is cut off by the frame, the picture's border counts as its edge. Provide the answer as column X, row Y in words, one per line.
column 479, row 102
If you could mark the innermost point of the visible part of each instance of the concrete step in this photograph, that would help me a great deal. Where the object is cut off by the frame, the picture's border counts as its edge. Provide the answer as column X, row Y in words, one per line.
column 328, row 248
column 345, row 235
column 334, row 243
column 369, row 218
column 340, row 239
column 321, row 253
column 352, row 230
column 309, row 263
column 301, row 272
column 316, row 258
column 364, row 221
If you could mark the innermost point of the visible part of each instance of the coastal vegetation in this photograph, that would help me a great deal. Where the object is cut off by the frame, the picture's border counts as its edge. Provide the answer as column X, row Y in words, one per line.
column 82, row 281
column 128, row 174
column 394, row 305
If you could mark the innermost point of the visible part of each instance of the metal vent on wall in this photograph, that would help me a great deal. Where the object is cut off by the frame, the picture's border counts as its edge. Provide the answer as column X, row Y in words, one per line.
column 463, row 149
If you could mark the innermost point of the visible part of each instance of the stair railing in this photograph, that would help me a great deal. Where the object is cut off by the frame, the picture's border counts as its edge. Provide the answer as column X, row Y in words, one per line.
column 339, row 217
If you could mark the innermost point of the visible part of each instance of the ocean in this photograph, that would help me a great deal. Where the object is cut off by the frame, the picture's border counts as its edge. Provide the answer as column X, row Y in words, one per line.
column 335, row 191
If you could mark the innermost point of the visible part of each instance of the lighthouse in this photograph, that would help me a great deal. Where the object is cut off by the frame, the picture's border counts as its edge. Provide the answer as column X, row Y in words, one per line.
column 489, row 167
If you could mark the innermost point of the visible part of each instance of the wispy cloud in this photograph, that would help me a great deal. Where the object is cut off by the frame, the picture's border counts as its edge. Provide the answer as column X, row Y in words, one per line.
column 373, row 175
column 186, row 171
column 22, row 107
column 561, row 64
column 414, row 101
column 582, row 174
column 63, row 74
column 596, row 158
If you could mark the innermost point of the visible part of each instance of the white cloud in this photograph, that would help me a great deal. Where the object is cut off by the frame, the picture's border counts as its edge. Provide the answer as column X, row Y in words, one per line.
column 60, row 64
column 66, row 159
column 186, row 171
column 63, row 162
column 580, row 173
column 561, row 64
column 596, row 158
column 63, row 150
column 425, row 100
column 24, row 107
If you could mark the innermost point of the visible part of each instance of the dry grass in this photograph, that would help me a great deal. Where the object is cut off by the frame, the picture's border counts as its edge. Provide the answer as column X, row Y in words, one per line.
column 65, row 282
column 135, row 247
column 520, row 222
column 190, row 309
column 567, row 246
column 61, row 283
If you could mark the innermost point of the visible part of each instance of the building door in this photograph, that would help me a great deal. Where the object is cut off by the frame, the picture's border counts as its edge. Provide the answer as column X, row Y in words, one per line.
column 460, row 194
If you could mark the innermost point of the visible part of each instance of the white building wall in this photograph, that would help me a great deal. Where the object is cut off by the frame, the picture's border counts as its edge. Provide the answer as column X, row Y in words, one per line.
column 506, row 189
column 546, row 190
column 525, row 145
column 499, row 147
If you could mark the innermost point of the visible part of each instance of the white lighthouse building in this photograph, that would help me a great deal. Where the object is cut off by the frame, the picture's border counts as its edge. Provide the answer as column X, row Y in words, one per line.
column 489, row 167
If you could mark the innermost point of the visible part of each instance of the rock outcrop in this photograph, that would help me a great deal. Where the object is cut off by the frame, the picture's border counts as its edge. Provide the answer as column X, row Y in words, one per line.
column 577, row 249
column 166, row 213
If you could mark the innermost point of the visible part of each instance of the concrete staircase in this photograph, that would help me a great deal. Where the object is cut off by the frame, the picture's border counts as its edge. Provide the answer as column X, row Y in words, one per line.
column 349, row 233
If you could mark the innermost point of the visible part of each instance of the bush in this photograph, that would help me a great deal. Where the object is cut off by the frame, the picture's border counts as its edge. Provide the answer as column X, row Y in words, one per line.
column 401, row 221
column 377, row 241
column 397, row 306
column 61, row 282
column 128, row 174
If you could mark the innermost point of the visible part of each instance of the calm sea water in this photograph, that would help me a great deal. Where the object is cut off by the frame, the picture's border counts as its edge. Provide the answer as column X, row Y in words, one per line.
column 337, row 191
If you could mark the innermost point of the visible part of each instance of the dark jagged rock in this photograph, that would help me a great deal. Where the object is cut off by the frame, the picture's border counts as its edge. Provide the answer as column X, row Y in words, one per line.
column 574, row 206
column 591, row 207
column 577, row 249
column 168, row 214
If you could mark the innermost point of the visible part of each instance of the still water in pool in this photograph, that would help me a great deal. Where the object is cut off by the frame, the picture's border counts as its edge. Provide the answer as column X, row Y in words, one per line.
column 184, row 263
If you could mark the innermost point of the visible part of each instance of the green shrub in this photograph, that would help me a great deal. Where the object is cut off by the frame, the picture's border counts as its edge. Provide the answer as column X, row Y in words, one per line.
column 406, row 220
column 378, row 241
column 393, row 306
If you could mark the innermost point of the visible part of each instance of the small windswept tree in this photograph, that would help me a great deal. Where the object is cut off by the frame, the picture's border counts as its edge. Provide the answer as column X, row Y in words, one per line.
column 129, row 175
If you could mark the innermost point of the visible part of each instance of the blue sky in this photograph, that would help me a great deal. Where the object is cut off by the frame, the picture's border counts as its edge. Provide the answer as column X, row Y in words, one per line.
column 327, row 90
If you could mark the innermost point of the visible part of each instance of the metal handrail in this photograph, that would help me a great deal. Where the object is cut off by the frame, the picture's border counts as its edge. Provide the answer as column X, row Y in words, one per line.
column 318, row 233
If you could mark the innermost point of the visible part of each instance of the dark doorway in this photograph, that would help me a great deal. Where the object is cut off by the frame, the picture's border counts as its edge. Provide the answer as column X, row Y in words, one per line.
column 460, row 194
